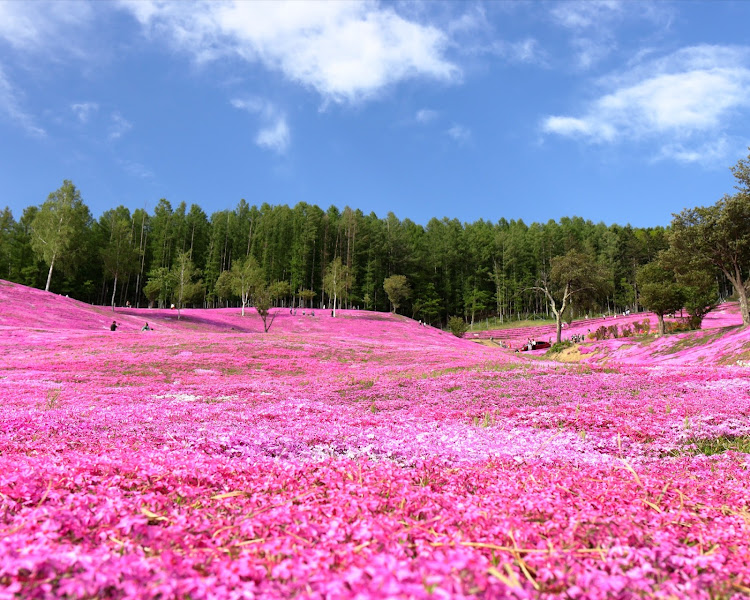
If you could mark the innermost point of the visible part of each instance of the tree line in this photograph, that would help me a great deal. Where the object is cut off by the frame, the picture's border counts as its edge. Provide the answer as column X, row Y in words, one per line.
column 307, row 256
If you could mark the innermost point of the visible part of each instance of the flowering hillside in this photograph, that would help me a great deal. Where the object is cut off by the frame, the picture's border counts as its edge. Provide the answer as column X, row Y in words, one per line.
column 358, row 457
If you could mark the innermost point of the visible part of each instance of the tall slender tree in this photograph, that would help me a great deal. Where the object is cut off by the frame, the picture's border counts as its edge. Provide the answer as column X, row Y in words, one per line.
column 118, row 254
column 59, row 226
column 336, row 281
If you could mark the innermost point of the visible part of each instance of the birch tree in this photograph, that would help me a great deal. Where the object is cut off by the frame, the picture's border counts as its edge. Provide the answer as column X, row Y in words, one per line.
column 59, row 226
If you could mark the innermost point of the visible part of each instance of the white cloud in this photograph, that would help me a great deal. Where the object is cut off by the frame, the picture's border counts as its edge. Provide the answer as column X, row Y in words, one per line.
column 84, row 110
column 118, row 126
column 274, row 132
column 459, row 133
column 274, row 137
column 683, row 101
column 526, row 51
column 44, row 26
column 136, row 169
column 593, row 24
column 10, row 106
column 426, row 115
column 346, row 51
column 711, row 152
column 586, row 14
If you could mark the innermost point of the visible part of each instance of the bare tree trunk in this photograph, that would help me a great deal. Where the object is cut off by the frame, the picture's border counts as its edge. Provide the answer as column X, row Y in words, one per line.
column 739, row 289
column 49, row 275
column 114, row 291
column 660, row 326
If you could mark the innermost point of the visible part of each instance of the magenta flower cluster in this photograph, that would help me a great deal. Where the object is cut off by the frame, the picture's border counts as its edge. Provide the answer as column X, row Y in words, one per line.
column 358, row 457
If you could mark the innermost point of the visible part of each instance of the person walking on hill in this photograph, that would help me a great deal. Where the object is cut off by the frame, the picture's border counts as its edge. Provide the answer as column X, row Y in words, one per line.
column 113, row 327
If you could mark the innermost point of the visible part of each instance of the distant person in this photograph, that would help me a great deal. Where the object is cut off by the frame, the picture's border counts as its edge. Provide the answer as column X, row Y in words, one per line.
column 145, row 328
column 127, row 304
column 113, row 327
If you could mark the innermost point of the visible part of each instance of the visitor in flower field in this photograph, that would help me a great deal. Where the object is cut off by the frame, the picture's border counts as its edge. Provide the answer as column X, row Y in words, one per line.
column 145, row 328
column 113, row 327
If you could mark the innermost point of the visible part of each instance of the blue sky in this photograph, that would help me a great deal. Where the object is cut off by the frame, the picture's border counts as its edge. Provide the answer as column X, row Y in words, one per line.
column 621, row 112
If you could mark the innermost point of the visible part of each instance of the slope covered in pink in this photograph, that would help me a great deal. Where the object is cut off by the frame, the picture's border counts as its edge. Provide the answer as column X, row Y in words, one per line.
column 357, row 457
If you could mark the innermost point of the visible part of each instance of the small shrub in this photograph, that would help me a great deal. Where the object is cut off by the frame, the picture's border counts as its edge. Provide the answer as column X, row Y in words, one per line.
column 676, row 326
column 559, row 346
column 626, row 332
column 600, row 334
column 612, row 331
column 457, row 326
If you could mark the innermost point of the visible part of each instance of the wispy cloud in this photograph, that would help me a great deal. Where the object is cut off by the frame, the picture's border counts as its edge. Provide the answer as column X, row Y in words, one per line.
column 346, row 51
column 709, row 153
column 119, row 126
column 459, row 134
column 10, row 106
column 136, row 169
column 84, row 110
column 274, row 131
column 593, row 23
column 527, row 51
column 45, row 26
column 274, row 137
column 684, row 102
column 426, row 115
column 586, row 14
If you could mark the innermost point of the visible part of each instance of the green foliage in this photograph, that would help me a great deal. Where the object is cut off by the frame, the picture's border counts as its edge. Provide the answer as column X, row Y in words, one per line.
column 720, row 235
column 181, row 278
column 427, row 305
column 337, row 282
column 558, row 347
column 572, row 276
column 457, row 326
column 224, row 287
column 119, row 256
column 58, row 229
column 306, row 296
column 245, row 278
column 717, row 445
column 263, row 298
column 158, row 287
column 678, row 326
column 280, row 289
column 482, row 270
column 698, row 278
column 660, row 291
column 398, row 289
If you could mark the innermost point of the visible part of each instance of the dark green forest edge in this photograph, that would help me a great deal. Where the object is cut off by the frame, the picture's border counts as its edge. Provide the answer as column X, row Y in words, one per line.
column 304, row 256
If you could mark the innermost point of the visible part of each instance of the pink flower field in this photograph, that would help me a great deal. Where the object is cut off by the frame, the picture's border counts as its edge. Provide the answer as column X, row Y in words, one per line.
column 362, row 457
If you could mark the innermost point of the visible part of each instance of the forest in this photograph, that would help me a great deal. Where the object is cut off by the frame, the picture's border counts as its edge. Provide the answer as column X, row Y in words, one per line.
column 309, row 256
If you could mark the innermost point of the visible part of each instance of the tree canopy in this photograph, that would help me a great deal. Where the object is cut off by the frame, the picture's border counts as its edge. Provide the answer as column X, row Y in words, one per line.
column 573, row 277
column 342, row 258
column 58, row 227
